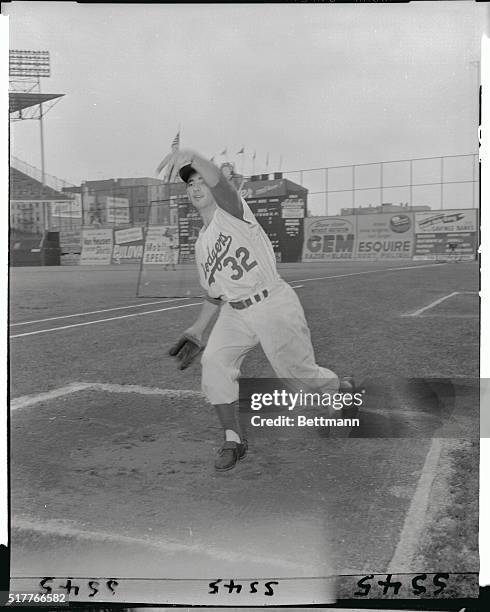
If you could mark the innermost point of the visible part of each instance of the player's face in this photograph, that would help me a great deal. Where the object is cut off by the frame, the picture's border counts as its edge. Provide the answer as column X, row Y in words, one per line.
column 199, row 193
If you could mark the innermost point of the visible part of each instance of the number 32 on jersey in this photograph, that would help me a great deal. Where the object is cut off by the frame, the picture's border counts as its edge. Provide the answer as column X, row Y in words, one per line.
column 239, row 263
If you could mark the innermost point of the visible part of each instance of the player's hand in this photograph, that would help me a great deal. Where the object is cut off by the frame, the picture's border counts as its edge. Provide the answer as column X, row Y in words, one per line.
column 183, row 157
column 186, row 349
column 174, row 161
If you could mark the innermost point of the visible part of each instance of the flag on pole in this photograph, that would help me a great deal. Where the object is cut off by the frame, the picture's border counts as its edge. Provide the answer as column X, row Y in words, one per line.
column 267, row 161
column 254, row 155
column 241, row 151
column 171, row 172
column 224, row 151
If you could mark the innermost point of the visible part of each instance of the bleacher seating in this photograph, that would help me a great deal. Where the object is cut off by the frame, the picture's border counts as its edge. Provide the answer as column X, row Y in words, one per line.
column 24, row 187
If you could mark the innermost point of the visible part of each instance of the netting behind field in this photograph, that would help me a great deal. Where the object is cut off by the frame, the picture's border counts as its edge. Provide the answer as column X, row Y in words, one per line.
column 168, row 267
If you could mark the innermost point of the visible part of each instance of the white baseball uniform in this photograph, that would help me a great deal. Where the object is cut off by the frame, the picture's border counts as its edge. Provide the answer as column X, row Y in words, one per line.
column 236, row 263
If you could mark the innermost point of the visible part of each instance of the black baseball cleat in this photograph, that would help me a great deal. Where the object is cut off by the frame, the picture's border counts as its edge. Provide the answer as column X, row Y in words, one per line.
column 229, row 454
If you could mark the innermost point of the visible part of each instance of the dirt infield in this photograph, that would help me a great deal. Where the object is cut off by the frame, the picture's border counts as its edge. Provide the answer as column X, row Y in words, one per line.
column 116, row 469
column 140, row 466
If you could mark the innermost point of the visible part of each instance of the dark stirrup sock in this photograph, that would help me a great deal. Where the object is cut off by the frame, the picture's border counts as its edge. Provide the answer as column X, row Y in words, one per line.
column 228, row 415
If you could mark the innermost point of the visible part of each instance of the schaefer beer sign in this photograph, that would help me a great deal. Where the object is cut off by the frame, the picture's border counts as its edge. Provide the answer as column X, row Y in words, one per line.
column 329, row 238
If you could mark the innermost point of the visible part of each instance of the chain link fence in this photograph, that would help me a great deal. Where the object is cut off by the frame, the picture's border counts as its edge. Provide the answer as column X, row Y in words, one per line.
column 445, row 182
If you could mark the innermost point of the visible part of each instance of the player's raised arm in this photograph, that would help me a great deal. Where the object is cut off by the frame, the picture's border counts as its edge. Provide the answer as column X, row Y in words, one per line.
column 223, row 191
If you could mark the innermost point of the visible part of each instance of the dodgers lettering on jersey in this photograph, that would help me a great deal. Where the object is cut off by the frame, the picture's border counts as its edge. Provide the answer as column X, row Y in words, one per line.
column 235, row 257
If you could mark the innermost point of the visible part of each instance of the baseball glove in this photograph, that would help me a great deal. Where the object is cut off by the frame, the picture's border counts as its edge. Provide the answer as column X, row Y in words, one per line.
column 186, row 349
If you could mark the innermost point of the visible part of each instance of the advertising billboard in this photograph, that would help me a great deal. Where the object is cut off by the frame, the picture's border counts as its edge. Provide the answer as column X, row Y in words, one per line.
column 446, row 234
column 67, row 209
column 329, row 238
column 434, row 222
column 117, row 210
column 128, row 245
column 161, row 245
column 384, row 236
column 96, row 246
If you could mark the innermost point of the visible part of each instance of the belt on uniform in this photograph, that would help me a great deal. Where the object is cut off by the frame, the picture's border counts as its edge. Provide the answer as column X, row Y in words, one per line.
column 249, row 301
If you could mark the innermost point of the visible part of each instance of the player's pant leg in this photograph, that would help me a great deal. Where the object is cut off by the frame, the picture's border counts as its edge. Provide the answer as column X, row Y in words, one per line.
column 280, row 324
column 230, row 340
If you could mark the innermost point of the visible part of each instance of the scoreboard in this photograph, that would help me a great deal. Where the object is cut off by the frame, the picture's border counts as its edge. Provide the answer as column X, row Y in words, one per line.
column 280, row 209
column 268, row 214
column 279, row 206
column 190, row 223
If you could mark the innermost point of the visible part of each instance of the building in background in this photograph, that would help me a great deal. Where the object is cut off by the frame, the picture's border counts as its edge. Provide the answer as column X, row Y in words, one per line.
column 122, row 201
column 387, row 207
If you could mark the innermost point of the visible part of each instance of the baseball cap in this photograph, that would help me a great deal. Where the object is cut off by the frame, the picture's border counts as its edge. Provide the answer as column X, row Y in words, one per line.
column 186, row 171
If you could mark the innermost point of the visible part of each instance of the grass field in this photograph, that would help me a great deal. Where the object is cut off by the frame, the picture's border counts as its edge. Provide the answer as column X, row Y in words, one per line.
column 112, row 446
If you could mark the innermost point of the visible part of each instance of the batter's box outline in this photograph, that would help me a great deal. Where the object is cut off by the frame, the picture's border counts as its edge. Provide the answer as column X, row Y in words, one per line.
column 420, row 311
column 414, row 522
column 25, row 401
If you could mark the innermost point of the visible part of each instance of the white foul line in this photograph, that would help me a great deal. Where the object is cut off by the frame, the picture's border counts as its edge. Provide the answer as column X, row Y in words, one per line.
column 42, row 331
column 304, row 280
column 415, row 518
column 63, row 529
column 91, row 312
column 83, row 314
column 136, row 314
column 436, row 302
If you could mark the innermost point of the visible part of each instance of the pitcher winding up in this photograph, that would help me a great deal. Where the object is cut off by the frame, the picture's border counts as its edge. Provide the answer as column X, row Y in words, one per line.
column 237, row 270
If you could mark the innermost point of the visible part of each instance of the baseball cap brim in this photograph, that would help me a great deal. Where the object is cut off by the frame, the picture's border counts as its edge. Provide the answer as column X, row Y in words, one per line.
column 186, row 172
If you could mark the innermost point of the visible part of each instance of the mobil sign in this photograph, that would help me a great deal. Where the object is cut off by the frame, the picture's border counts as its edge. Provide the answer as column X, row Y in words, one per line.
column 329, row 238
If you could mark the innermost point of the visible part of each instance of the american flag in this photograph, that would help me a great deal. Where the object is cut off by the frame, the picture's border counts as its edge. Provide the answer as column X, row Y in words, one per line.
column 171, row 172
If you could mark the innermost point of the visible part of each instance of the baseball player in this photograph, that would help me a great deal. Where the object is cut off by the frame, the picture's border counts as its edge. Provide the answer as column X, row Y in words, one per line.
column 171, row 253
column 237, row 269
column 452, row 246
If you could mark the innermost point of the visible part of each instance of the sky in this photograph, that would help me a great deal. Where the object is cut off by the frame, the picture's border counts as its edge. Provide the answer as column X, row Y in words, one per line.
column 310, row 85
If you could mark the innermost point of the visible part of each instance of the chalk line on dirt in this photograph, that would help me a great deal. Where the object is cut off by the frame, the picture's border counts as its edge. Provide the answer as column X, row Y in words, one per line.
column 25, row 401
column 65, row 529
column 414, row 523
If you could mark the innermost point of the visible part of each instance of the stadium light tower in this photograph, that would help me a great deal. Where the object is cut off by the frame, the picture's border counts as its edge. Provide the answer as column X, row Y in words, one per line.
column 26, row 68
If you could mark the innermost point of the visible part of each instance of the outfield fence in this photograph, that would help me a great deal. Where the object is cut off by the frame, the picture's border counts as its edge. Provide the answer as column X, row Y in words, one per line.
column 360, row 211
column 445, row 182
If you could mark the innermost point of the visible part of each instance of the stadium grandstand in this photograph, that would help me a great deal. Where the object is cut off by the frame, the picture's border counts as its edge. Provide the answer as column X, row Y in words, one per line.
column 38, row 211
column 35, row 197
